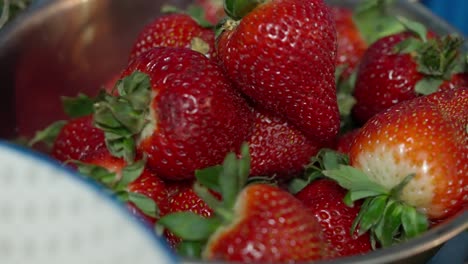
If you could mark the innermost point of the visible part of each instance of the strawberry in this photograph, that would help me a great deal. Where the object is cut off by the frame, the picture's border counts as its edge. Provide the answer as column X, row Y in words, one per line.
column 77, row 139
column 256, row 223
column 345, row 140
column 410, row 163
column 143, row 191
column 175, row 30
column 281, row 53
column 403, row 66
column 177, row 109
column 324, row 198
column 278, row 148
column 356, row 29
column 351, row 45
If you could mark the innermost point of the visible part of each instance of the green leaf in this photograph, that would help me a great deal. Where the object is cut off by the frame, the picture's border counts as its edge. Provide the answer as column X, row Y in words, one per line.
column 388, row 227
column 236, row 9
column 417, row 28
column 78, row 106
column 354, row 180
column 374, row 21
column 190, row 249
column 339, row 71
column 130, row 173
column 144, row 203
column 428, row 85
column 243, row 170
column 409, row 45
column 124, row 116
column 48, row 134
column 362, row 211
column 396, row 191
column 10, row 9
column 190, row 226
column 373, row 213
column 297, row 184
column 96, row 172
column 209, row 177
column 333, row 159
column 414, row 223
column 198, row 14
column 212, row 201
column 229, row 181
column 440, row 58
column 167, row 9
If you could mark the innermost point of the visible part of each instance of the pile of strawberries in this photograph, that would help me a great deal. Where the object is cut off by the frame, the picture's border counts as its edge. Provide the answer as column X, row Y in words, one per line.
column 279, row 130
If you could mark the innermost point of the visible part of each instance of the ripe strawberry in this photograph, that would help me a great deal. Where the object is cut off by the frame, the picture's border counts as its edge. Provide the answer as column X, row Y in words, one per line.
column 324, row 198
column 282, row 54
column 256, row 223
column 180, row 112
column 77, row 139
column 345, row 140
column 403, row 66
column 351, row 45
column 175, row 30
column 356, row 29
column 144, row 192
column 277, row 148
column 411, row 161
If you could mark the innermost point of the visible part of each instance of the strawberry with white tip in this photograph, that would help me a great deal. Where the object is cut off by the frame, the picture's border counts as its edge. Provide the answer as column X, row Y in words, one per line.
column 410, row 162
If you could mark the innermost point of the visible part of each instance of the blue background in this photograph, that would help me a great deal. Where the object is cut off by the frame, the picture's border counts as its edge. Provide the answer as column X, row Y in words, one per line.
column 453, row 11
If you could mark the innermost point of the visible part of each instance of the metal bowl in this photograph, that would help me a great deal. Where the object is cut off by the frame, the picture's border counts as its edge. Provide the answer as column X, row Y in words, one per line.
column 62, row 47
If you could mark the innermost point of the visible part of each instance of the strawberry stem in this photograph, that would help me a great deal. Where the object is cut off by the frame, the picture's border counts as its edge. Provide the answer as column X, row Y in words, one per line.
column 124, row 116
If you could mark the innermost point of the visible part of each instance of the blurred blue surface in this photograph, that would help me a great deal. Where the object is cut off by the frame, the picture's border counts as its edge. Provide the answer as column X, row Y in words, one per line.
column 454, row 251
column 453, row 11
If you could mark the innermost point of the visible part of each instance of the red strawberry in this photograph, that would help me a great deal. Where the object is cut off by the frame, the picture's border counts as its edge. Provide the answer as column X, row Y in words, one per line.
column 270, row 226
column 282, row 54
column 403, row 66
column 256, row 223
column 175, row 30
column 325, row 198
column 413, row 160
column 278, row 148
column 344, row 141
column 351, row 45
column 134, row 184
column 180, row 112
column 77, row 139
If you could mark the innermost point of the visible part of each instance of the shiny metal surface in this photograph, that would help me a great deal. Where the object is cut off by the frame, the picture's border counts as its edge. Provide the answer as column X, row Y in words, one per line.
column 67, row 46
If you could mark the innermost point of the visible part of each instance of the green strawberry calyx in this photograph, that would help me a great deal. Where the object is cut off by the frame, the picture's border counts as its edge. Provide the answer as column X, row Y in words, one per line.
column 118, row 182
column 325, row 159
column 124, row 116
column 437, row 59
column 74, row 107
column 389, row 219
column 374, row 21
column 228, row 179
